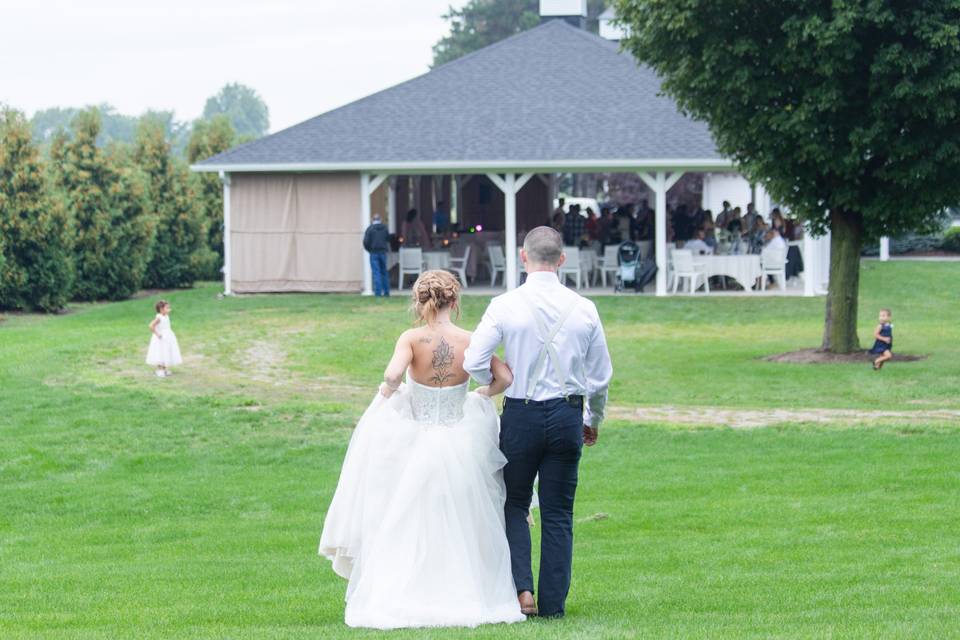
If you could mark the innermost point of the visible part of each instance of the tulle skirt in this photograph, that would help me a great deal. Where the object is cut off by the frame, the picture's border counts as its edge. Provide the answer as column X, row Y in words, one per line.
column 164, row 351
column 416, row 523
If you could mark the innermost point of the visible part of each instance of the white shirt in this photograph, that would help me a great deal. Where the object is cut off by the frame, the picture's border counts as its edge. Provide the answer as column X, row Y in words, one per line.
column 580, row 344
column 777, row 242
column 698, row 247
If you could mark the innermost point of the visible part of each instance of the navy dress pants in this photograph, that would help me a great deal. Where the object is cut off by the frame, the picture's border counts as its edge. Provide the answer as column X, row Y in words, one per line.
column 544, row 438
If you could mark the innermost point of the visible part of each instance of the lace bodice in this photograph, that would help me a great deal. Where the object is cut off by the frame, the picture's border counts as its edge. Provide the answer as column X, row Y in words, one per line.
column 437, row 405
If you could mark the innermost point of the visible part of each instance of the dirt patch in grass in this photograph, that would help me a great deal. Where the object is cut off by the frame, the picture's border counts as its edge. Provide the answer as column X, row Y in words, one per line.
column 756, row 418
column 817, row 356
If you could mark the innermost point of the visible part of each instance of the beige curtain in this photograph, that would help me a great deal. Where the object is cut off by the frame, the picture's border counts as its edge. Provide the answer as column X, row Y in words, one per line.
column 295, row 232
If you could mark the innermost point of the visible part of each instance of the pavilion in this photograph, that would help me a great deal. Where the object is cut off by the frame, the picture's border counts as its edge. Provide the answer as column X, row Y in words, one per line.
column 502, row 120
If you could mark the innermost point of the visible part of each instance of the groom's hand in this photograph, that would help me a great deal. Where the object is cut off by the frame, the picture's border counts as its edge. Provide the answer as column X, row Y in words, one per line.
column 589, row 435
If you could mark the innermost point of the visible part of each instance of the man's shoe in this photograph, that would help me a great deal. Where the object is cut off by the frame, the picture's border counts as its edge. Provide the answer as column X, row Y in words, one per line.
column 528, row 605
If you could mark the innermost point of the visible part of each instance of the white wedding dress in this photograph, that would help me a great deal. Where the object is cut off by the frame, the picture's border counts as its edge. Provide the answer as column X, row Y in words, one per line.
column 416, row 523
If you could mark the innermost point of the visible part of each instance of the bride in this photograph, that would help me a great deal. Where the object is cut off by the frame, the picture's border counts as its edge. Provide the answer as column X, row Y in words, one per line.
column 416, row 524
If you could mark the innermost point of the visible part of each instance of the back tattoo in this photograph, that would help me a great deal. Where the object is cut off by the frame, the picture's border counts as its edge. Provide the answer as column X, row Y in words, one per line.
column 442, row 362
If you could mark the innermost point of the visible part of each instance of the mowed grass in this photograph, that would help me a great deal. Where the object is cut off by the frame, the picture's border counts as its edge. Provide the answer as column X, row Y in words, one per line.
column 132, row 507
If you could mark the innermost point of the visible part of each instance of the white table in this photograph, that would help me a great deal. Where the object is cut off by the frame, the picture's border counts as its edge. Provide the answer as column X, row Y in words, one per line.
column 745, row 269
column 436, row 259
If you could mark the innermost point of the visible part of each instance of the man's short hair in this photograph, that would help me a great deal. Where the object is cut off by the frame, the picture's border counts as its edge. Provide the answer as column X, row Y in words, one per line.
column 543, row 245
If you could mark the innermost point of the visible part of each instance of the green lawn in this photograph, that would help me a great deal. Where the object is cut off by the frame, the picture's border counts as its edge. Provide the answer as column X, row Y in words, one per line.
column 132, row 507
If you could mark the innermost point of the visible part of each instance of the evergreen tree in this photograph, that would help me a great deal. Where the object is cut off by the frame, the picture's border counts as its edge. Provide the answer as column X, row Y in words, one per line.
column 105, row 194
column 37, row 265
column 210, row 137
column 180, row 242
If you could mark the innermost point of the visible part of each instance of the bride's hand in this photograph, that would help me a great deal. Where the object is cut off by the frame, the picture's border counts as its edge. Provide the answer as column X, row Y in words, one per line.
column 484, row 390
column 386, row 390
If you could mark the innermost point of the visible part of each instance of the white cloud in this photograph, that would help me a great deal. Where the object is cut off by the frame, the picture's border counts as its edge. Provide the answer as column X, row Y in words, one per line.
column 304, row 57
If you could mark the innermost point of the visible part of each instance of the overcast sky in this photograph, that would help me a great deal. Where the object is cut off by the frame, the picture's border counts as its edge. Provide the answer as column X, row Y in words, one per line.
column 304, row 57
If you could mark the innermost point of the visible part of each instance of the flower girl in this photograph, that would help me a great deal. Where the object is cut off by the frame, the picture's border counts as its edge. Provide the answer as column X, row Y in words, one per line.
column 164, row 351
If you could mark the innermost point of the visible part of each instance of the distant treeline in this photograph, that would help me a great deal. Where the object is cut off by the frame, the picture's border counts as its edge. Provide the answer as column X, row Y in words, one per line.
column 243, row 107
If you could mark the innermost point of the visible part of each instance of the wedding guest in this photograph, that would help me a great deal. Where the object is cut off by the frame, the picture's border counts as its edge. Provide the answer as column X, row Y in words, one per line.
column 441, row 218
column 605, row 225
column 773, row 240
column 882, row 340
column 757, row 237
column 777, row 222
column 709, row 229
column 724, row 216
column 750, row 217
column 376, row 241
column 573, row 224
column 558, row 216
column 163, row 352
column 698, row 245
column 414, row 232
column 592, row 226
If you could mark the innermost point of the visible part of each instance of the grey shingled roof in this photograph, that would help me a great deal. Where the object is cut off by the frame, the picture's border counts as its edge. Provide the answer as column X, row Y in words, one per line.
column 551, row 93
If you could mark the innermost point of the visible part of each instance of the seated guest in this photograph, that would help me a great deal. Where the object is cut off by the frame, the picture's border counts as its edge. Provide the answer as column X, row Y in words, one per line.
column 414, row 232
column 698, row 245
column 773, row 240
column 757, row 234
column 709, row 230
column 573, row 224
column 733, row 223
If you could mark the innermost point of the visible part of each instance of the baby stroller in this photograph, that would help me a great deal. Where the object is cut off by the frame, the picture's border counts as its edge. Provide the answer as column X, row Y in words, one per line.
column 634, row 271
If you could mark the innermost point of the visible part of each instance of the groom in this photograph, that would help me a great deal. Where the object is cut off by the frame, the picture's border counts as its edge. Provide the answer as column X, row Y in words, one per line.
column 554, row 343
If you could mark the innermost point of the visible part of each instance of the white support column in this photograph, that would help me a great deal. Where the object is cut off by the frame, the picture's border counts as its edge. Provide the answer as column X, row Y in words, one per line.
column 368, row 184
column 660, row 184
column 811, row 263
column 392, row 206
column 510, row 230
column 225, row 179
column 510, row 184
column 884, row 248
column 364, row 223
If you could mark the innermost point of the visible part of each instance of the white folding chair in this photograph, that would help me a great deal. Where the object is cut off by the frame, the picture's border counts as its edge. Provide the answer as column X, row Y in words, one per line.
column 498, row 262
column 685, row 268
column 459, row 265
column 571, row 266
column 773, row 262
column 609, row 263
column 411, row 263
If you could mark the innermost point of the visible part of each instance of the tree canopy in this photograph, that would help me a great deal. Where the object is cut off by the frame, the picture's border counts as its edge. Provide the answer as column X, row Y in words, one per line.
column 482, row 22
column 846, row 111
column 244, row 107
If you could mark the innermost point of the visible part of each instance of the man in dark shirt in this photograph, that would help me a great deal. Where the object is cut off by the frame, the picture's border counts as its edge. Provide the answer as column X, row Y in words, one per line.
column 573, row 226
column 441, row 219
column 376, row 240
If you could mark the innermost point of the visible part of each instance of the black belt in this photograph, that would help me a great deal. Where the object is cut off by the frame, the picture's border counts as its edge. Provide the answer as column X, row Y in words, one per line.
column 574, row 400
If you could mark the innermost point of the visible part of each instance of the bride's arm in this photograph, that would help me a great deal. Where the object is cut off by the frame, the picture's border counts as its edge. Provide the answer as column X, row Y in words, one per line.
column 502, row 378
column 393, row 375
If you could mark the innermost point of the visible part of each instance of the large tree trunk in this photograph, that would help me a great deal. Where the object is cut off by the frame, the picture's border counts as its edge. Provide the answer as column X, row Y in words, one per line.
column 846, row 241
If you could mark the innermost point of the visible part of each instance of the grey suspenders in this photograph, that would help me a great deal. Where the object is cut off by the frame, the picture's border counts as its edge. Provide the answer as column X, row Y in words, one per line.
column 547, row 335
